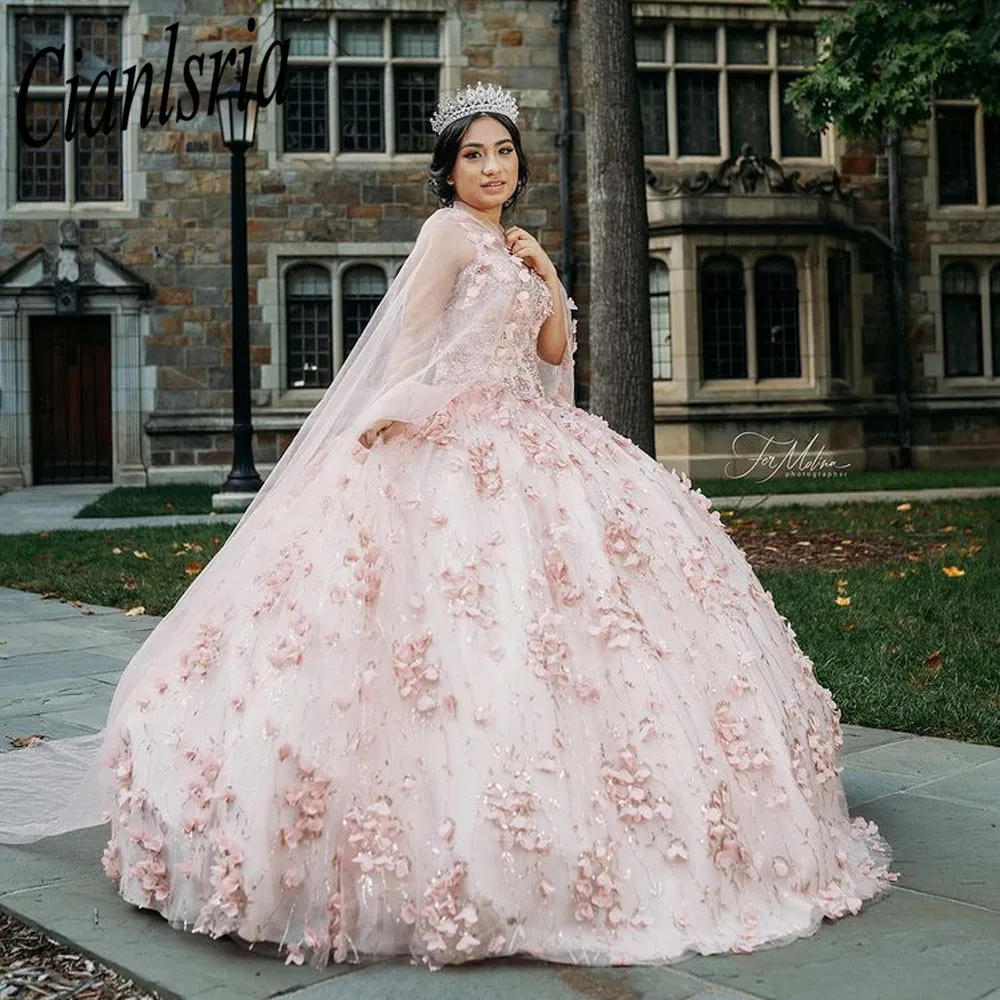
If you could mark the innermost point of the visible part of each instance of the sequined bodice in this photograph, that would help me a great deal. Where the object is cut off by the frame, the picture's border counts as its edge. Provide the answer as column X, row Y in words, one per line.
column 510, row 354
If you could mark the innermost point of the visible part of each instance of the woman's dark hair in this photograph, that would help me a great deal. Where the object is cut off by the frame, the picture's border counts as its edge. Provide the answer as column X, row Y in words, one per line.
column 446, row 152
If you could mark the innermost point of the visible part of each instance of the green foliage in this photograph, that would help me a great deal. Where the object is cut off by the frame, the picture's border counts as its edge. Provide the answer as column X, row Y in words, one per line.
column 882, row 63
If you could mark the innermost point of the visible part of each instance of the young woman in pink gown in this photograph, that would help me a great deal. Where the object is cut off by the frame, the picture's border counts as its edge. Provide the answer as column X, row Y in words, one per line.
column 474, row 676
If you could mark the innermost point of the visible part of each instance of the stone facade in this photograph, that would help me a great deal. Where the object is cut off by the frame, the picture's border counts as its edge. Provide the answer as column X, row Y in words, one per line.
column 158, row 261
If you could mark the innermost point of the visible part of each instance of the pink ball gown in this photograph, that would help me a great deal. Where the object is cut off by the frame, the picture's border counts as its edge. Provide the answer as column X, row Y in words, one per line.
column 501, row 684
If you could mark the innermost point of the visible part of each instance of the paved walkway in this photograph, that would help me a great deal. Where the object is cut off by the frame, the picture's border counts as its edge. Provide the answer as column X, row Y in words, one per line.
column 54, row 508
column 937, row 935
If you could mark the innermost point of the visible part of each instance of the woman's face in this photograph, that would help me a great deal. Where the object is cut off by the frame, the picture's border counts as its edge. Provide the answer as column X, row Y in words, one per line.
column 486, row 156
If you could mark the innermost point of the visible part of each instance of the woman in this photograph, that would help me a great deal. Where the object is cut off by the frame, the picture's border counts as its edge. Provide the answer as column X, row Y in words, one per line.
column 474, row 675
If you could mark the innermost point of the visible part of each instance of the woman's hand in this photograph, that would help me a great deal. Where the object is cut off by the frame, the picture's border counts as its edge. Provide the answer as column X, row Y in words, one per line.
column 522, row 244
column 388, row 429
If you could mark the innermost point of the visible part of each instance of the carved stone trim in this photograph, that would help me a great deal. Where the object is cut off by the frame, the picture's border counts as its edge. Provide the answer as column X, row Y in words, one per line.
column 749, row 174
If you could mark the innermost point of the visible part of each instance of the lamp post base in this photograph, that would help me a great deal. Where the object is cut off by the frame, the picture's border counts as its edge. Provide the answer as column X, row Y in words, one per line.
column 226, row 501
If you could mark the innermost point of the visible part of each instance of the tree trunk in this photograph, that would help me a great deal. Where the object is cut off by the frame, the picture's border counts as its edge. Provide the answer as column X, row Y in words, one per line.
column 621, row 357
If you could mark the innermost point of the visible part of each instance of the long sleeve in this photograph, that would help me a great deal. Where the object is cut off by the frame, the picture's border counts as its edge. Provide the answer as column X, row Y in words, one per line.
column 557, row 380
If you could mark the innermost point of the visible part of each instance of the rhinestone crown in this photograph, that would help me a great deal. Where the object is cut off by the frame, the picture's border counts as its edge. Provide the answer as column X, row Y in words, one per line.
column 473, row 100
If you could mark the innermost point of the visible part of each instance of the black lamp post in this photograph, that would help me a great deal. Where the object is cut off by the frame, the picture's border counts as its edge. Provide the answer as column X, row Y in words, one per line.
column 238, row 120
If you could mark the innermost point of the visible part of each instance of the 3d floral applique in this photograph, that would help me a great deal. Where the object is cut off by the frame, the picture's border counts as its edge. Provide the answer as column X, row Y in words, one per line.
column 725, row 843
column 596, row 889
column 228, row 901
column 377, row 838
column 513, row 810
column 416, row 676
column 730, row 732
column 486, row 473
column 627, row 781
column 307, row 797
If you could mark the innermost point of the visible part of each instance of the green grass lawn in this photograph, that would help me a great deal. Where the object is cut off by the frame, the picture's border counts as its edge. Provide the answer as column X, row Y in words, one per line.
column 915, row 649
column 891, row 479
column 140, row 501
column 122, row 568
column 918, row 648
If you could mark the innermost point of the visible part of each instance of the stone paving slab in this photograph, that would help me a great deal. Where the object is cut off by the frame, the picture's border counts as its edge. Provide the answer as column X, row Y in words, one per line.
column 54, row 508
column 936, row 935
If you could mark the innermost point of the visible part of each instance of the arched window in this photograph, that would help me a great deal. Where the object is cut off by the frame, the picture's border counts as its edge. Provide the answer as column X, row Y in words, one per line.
column 659, row 316
column 962, row 318
column 309, row 322
column 995, row 317
column 776, row 292
column 723, row 318
column 362, row 288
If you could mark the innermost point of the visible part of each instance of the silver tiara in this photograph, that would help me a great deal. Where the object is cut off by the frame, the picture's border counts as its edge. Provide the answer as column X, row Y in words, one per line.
column 473, row 100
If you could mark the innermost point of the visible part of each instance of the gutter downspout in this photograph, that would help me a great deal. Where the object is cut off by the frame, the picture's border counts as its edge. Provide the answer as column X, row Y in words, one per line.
column 564, row 141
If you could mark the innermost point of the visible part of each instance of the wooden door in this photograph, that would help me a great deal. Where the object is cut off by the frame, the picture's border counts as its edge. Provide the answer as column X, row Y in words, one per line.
column 71, row 399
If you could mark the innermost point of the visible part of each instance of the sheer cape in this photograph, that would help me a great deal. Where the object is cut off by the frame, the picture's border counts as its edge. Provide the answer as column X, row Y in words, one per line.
column 438, row 331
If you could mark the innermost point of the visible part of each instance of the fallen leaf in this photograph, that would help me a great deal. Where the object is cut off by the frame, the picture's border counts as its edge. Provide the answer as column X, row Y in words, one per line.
column 45, row 534
column 842, row 601
column 948, row 529
column 193, row 568
column 138, row 610
column 850, row 627
column 952, row 571
column 929, row 670
column 116, row 551
column 905, row 506
column 26, row 741
column 141, row 555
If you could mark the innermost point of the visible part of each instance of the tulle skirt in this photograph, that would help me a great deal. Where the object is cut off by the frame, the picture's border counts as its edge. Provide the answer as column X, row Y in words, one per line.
column 500, row 685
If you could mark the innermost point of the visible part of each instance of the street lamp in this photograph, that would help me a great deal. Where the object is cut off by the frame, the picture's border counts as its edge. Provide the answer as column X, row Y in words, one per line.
column 238, row 121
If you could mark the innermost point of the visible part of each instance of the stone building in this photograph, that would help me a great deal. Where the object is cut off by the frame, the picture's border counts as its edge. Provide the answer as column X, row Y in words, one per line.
column 769, row 262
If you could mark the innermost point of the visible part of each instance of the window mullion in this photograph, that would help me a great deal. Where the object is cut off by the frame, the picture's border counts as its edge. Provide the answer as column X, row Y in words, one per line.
column 986, row 339
column 750, row 325
column 337, row 318
column 69, row 149
column 724, row 138
column 774, row 92
column 333, row 82
column 673, row 147
column 388, row 88
column 723, row 98
column 980, row 140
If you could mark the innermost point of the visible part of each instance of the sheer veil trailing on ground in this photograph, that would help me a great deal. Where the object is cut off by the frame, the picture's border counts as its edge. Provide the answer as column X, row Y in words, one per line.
column 422, row 347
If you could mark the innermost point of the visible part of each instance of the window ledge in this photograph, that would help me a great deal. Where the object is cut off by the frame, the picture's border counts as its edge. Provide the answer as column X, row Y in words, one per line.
column 54, row 209
column 357, row 159
column 970, row 381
